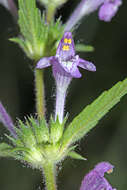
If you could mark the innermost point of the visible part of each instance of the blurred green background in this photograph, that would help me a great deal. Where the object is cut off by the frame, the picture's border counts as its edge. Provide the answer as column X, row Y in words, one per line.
column 106, row 142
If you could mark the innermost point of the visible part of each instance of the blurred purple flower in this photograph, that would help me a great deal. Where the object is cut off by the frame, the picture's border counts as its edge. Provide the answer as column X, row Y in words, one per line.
column 108, row 9
column 65, row 67
column 10, row 5
column 6, row 120
column 95, row 179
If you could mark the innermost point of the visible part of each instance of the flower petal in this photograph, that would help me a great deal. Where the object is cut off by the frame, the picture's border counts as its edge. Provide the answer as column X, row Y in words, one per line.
column 86, row 65
column 66, row 50
column 7, row 121
column 103, row 167
column 85, row 7
column 43, row 63
column 76, row 73
column 92, row 181
column 71, row 67
column 95, row 180
column 109, row 9
column 10, row 6
column 68, row 66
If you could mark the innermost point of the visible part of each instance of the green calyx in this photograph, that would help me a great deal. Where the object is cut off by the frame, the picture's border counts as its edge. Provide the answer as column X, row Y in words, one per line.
column 56, row 130
column 37, row 143
column 38, row 38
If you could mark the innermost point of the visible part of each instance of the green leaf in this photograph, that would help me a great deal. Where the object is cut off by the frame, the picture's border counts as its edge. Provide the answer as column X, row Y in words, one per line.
column 37, row 39
column 5, row 150
column 33, row 29
column 20, row 41
column 30, row 21
column 9, row 151
column 90, row 116
column 84, row 48
column 75, row 155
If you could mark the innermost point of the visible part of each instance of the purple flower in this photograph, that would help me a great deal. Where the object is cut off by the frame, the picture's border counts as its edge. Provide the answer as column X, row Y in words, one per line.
column 4, row 3
column 65, row 62
column 6, row 120
column 65, row 67
column 95, row 179
column 10, row 5
column 108, row 9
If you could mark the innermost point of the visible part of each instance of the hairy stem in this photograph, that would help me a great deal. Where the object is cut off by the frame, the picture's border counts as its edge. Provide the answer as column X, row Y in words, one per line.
column 48, row 168
column 39, row 83
column 50, row 12
column 49, row 174
column 39, row 87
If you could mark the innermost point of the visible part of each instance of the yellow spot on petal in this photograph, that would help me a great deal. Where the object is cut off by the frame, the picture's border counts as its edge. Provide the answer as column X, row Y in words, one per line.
column 66, row 48
column 69, row 41
column 65, row 40
column 110, row 171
